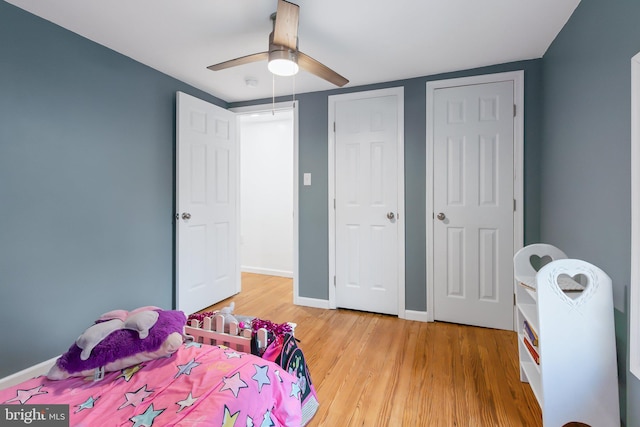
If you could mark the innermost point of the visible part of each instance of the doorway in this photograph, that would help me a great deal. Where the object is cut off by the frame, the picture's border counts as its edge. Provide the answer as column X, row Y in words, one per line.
column 266, row 193
column 268, row 240
column 474, row 197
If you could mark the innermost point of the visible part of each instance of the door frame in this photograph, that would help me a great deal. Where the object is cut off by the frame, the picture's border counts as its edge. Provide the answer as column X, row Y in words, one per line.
column 634, row 287
column 333, row 99
column 261, row 108
column 518, row 164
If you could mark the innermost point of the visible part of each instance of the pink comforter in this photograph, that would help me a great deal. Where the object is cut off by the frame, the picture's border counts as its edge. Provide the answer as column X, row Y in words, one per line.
column 199, row 385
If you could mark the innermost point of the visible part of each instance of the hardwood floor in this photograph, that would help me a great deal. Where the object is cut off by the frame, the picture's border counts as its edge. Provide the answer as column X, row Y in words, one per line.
column 377, row 370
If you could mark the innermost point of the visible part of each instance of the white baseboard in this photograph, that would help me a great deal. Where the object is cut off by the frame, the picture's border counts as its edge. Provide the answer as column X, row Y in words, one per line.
column 26, row 374
column 311, row 302
column 420, row 316
column 266, row 271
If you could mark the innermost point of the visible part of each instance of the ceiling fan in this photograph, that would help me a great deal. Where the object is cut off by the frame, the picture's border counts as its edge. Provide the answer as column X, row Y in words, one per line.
column 283, row 54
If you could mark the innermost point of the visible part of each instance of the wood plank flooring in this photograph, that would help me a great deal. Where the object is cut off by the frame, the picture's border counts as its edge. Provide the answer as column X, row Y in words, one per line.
column 377, row 370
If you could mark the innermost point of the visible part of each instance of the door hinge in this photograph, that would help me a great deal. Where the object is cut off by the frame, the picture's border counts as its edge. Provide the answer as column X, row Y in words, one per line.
column 514, row 110
column 334, row 127
column 514, row 299
column 334, row 204
column 334, row 281
column 514, row 205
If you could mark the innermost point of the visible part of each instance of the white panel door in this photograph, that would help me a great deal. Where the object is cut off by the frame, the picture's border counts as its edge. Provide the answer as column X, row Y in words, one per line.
column 473, row 154
column 206, row 222
column 366, row 183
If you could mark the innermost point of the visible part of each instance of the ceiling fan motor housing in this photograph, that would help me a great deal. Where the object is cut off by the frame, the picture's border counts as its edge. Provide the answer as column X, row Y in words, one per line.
column 281, row 52
column 283, row 61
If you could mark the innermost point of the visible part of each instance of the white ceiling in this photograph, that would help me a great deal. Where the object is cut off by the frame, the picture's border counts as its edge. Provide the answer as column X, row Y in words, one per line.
column 367, row 41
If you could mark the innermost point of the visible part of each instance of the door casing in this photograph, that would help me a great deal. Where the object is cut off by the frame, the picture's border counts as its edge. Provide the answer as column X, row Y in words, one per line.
column 399, row 93
column 518, row 164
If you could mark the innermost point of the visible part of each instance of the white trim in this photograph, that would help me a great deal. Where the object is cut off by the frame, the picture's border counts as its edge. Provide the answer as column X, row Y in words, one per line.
column 313, row 302
column 261, row 108
column 399, row 93
column 518, row 164
column 331, row 182
column 296, row 247
column 26, row 374
column 266, row 271
column 419, row 316
column 634, row 291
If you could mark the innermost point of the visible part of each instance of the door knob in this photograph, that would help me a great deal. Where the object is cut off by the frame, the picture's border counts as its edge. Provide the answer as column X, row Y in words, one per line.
column 391, row 215
column 441, row 216
column 186, row 215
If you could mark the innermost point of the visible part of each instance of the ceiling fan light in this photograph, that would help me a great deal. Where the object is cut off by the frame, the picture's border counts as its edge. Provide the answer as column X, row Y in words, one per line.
column 283, row 67
column 283, row 63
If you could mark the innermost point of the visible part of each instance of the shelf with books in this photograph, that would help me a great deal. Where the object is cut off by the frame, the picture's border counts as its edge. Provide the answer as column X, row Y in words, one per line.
column 532, row 350
column 527, row 282
column 566, row 295
column 528, row 355
column 530, row 332
column 529, row 314
column 531, row 293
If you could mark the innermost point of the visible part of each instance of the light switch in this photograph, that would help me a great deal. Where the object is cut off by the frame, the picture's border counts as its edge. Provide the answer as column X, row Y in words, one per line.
column 307, row 178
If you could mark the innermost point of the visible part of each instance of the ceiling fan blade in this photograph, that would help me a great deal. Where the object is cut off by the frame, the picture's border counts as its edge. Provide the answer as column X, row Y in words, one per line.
column 285, row 28
column 255, row 57
column 311, row 65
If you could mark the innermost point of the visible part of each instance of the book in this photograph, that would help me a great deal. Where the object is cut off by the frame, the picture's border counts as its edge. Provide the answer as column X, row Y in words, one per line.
column 566, row 283
column 530, row 333
column 569, row 284
column 529, row 284
column 532, row 350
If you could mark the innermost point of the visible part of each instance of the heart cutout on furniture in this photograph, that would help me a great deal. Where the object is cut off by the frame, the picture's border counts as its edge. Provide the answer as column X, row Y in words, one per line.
column 572, row 286
column 538, row 262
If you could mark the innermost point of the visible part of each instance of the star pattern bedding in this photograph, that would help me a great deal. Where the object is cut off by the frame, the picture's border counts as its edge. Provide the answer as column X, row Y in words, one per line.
column 199, row 385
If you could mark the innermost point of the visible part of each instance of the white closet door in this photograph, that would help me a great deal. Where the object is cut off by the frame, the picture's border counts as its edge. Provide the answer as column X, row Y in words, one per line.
column 367, row 204
column 473, row 204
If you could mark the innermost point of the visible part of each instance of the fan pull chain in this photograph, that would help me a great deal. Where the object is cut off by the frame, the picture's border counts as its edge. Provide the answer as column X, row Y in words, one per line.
column 294, row 90
column 273, row 94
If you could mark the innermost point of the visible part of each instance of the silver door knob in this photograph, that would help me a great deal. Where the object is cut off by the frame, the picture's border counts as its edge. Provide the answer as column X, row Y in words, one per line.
column 186, row 215
column 441, row 216
column 391, row 215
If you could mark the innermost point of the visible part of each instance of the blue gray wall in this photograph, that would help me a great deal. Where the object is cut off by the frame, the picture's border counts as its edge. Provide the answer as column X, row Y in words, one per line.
column 86, row 186
column 585, row 189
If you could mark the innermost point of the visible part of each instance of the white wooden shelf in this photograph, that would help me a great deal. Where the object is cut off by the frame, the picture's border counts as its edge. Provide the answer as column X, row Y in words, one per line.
column 528, row 357
column 576, row 379
column 532, row 372
column 530, row 314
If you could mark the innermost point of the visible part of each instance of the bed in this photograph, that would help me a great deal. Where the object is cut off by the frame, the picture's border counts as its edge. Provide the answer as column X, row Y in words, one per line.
column 210, row 379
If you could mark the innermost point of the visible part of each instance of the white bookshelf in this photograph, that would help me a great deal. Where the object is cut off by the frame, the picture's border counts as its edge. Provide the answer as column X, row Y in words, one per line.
column 576, row 377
